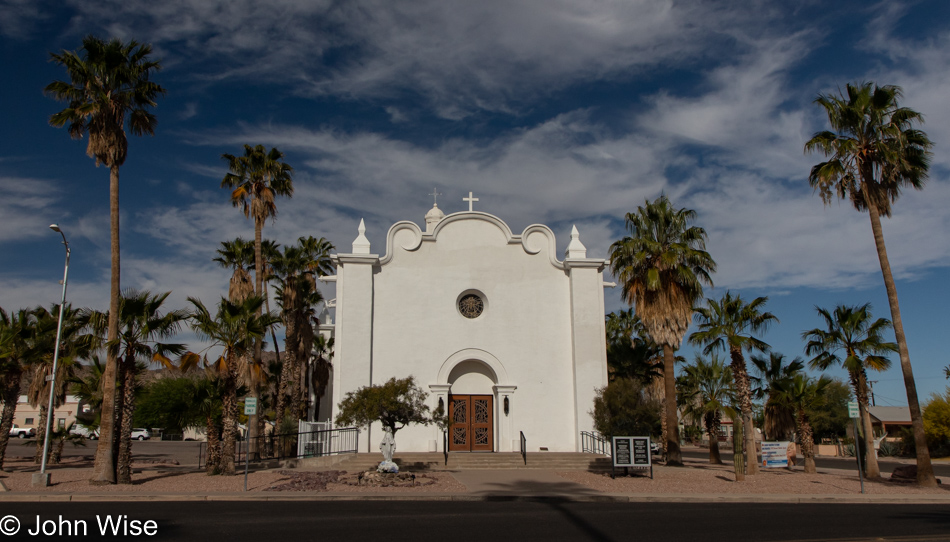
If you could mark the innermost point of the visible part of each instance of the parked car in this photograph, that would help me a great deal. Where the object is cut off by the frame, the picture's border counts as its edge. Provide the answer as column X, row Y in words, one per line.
column 22, row 432
column 84, row 431
column 655, row 448
column 140, row 434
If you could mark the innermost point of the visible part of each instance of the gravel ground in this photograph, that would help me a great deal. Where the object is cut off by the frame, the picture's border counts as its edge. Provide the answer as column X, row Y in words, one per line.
column 715, row 479
column 151, row 478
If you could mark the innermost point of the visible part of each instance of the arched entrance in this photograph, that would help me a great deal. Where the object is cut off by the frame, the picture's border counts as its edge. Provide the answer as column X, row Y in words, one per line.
column 473, row 385
column 471, row 407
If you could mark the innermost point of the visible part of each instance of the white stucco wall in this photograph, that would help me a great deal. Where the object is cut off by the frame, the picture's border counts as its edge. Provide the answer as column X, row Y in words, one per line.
column 539, row 340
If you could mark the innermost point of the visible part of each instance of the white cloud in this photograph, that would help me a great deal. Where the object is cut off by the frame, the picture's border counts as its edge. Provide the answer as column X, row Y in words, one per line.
column 22, row 207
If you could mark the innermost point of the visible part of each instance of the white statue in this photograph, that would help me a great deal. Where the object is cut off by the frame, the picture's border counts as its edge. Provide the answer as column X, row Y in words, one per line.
column 388, row 445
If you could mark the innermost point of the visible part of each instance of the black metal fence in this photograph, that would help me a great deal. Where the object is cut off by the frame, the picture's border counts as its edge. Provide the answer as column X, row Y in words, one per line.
column 593, row 442
column 293, row 445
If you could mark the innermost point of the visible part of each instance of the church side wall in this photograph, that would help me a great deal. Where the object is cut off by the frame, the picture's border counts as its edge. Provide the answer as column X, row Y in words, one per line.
column 589, row 350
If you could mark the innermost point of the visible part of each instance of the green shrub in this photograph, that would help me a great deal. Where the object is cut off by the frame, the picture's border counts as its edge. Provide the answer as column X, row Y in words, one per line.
column 622, row 408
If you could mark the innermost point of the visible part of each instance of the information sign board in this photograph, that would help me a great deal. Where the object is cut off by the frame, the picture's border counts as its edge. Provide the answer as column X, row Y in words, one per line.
column 250, row 406
column 853, row 411
column 632, row 452
column 775, row 454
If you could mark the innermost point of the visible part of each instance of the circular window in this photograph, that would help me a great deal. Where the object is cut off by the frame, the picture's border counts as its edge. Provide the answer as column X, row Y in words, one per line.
column 471, row 305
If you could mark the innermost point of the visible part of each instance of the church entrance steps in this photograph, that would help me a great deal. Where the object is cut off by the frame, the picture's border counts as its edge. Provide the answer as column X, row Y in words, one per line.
column 462, row 461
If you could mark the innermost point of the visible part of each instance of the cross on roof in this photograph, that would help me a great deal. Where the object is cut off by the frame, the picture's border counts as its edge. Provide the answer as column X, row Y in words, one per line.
column 435, row 194
column 470, row 201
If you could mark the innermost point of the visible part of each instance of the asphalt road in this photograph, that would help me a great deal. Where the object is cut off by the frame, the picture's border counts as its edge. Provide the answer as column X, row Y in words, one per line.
column 461, row 521
column 848, row 463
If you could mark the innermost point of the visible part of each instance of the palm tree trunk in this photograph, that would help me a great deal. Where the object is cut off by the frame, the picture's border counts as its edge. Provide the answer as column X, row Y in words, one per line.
column 56, row 453
column 925, row 470
column 124, row 469
column 214, row 446
column 744, row 390
column 806, row 436
column 712, row 429
column 104, row 467
column 255, row 390
column 229, row 418
column 673, row 455
column 11, row 394
column 287, row 366
column 261, row 430
column 871, row 467
column 41, row 432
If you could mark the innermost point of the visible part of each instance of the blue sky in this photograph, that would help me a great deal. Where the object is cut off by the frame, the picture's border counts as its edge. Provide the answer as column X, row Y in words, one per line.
column 551, row 112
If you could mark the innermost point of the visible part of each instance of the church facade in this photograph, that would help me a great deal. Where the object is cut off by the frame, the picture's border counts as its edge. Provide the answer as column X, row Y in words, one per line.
column 498, row 329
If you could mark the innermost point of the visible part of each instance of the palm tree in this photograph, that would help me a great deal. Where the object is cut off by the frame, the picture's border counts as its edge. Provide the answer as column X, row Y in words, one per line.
column 772, row 373
column 875, row 152
column 15, row 331
column 74, row 345
column 320, row 371
column 108, row 81
column 142, row 326
column 234, row 328
column 662, row 266
column 730, row 324
column 257, row 178
column 708, row 395
column 805, row 395
column 237, row 255
column 631, row 353
column 854, row 342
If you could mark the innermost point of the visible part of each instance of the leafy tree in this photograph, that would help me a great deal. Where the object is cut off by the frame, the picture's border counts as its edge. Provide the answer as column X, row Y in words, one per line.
column 395, row 404
column 856, row 343
column 166, row 403
column 708, row 393
column 662, row 266
column 779, row 419
column 874, row 152
column 730, row 324
column 108, row 81
column 830, row 419
column 624, row 408
column 257, row 178
column 804, row 395
column 937, row 417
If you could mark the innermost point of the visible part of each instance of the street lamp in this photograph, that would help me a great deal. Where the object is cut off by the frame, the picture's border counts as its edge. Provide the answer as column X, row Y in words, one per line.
column 43, row 478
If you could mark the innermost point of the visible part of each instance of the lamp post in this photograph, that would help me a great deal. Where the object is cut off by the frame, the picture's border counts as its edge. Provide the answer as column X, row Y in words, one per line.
column 43, row 478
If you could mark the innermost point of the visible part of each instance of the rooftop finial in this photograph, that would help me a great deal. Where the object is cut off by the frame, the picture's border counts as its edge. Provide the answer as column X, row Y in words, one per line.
column 575, row 249
column 361, row 243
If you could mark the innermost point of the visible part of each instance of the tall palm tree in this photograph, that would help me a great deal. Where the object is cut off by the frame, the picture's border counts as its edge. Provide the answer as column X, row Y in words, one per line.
column 805, row 395
column 235, row 327
column 256, row 179
column 730, row 324
column 320, row 371
column 875, row 151
column 15, row 331
column 772, row 373
column 662, row 266
column 142, row 327
column 856, row 343
column 708, row 395
column 108, row 81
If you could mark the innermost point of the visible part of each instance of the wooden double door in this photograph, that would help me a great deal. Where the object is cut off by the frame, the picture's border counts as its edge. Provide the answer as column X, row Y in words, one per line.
column 472, row 423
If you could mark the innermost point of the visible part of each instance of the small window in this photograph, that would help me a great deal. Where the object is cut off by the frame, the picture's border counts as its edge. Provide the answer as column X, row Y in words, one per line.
column 28, row 421
column 471, row 304
column 61, row 423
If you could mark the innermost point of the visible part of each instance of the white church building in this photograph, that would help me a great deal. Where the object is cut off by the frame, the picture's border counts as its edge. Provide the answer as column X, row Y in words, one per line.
column 498, row 329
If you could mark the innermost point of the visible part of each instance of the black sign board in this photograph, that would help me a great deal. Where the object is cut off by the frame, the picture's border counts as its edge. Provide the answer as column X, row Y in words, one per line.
column 632, row 452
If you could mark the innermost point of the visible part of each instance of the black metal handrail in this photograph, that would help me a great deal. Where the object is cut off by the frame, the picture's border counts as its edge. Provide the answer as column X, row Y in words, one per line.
column 295, row 445
column 445, row 446
column 524, row 448
column 593, row 442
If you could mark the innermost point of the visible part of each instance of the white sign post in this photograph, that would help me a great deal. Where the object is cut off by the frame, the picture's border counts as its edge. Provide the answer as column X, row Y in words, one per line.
column 250, row 409
column 854, row 413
